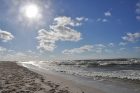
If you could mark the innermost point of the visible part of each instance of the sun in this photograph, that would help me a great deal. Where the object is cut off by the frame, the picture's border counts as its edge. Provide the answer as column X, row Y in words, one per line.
column 31, row 11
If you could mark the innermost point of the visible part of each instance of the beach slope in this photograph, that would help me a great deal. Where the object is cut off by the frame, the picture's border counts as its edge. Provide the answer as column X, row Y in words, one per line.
column 18, row 79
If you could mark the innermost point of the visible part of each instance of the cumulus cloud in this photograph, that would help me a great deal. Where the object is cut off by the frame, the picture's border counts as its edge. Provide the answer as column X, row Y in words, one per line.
column 79, row 50
column 108, row 13
column 46, row 40
column 62, row 29
column 5, row 36
column 68, row 21
column 132, row 37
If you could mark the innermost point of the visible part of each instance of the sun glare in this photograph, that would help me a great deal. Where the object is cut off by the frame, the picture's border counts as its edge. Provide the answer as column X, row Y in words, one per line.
column 31, row 11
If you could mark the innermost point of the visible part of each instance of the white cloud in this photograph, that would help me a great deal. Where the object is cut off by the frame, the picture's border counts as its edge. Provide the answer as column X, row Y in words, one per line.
column 108, row 13
column 46, row 40
column 18, row 56
column 138, row 4
column 68, row 21
column 111, row 44
column 132, row 37
column 82, row 49
column 122, row 43
column 98, row 48
column 100, row 45
column 61, row 30
column 2, row 49
column 108, row 51
column 63, row 21
column 11, row 50
column 99, row 19
column 138, row 11
column 138, row 18
column 138, row 8
column 12, row 55
column 122, row 49
column 137, row 48
column 81, row 19
column 104, row 20
column 5, row 36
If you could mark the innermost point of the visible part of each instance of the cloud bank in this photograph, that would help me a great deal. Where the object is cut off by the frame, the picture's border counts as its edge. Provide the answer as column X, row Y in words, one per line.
column 97, row 48
column 79, row 50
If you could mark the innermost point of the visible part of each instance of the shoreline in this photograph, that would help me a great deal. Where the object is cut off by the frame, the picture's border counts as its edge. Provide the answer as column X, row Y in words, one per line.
column 15, row 78
column 65, row 80
column 83, row 84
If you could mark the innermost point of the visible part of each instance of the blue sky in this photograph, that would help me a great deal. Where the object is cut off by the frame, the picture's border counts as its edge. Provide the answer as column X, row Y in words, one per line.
column 69, row 29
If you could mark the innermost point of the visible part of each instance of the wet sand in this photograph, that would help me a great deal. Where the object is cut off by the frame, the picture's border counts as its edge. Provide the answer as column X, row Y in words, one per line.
column 74, row 84
column 78, row 84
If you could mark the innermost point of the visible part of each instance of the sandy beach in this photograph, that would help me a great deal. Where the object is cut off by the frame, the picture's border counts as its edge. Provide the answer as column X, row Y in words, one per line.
column 18, row 79
column 74, row 84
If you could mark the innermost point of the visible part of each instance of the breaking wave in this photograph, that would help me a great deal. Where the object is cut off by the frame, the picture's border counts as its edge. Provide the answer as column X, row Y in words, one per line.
column 126, row 69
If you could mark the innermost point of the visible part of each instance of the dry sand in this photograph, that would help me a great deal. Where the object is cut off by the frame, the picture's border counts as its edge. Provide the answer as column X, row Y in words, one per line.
column 18, row 79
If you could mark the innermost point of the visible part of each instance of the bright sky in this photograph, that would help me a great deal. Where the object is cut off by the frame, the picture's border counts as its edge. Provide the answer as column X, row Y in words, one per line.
column 69, row 29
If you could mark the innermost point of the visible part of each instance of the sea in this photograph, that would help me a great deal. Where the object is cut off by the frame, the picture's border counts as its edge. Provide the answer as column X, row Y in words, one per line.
column 122, row 72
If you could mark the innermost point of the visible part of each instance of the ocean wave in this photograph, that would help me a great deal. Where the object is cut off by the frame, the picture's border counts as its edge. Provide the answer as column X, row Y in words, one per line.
column 100, row 63
column 74, row 70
